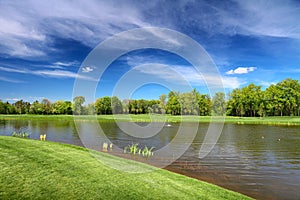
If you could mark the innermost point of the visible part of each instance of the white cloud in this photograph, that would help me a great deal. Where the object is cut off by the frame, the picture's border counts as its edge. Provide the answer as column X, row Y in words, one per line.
column 241, row 70
column 265, row 83
column 280, row 19
column 87, row 69
column 25, row 24
column 181, row 74
column 27, row 27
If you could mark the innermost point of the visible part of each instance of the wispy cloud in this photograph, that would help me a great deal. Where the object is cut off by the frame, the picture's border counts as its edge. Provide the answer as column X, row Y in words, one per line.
column 14, row 70
column 67, row 64
column 10, row 80
column 182, row 74
column 280, row 19
column 32, row 22
column 28, row 28
column 265, row 83
column 48, row 73
column 241, row 70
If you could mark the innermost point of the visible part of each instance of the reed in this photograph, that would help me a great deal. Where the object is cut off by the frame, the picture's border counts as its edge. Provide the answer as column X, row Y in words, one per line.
column 20, row 134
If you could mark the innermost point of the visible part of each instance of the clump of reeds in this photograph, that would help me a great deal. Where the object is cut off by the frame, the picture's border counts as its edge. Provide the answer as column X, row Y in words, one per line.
column 20, row 134
column 135, row 150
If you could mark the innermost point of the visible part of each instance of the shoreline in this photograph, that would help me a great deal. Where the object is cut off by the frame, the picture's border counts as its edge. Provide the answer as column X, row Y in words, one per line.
column 35, row 148
column 280, row 121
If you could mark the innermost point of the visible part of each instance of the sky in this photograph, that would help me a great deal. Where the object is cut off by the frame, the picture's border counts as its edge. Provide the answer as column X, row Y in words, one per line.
column 44, row 46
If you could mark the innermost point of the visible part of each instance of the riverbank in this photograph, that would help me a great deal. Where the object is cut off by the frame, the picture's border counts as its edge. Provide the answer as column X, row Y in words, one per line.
column 48, row 170
column 161, row 118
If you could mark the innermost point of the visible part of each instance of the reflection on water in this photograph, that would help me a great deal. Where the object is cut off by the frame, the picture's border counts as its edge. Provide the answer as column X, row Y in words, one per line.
column 257, row 160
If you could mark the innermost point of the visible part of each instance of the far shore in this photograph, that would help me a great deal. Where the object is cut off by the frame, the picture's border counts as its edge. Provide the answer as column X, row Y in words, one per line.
column 276, row 120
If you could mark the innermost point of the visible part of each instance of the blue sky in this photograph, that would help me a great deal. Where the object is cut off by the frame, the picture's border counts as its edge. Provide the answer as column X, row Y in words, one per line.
column 43, row 44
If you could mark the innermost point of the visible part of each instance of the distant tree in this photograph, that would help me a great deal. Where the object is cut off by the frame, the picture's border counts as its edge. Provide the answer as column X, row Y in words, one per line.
column 142, row 106
column 162, row 101
column 10, row 109
column 22, row 107
column 125, row 106
column 78, row 105
column 36, row 108
column 204, row 104
column 173, row 105
column 46, row 107
column 236, row 104
column 67, row 108
column 3, row 108
column 189, row 103
column 155, row 106
column 116, row 105
column 219, row 104
column 61, row 108
column 103, row 105
column 90, row 109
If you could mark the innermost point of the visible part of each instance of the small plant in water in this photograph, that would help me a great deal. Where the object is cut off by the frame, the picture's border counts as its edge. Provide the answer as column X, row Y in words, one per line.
column 147, row 152
column 134, row 149
column 20, row 134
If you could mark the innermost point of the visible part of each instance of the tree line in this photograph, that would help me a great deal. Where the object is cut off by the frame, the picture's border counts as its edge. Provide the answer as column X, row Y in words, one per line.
column 281, row 99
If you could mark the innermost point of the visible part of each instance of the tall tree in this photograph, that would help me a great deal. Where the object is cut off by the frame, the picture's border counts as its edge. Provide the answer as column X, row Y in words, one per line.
column 103, row 105
column 116, row 105
column 162, row 103
column 219, row 104
column 78, row 105
column 173, row 105
column 22, row 107
column 46, row 107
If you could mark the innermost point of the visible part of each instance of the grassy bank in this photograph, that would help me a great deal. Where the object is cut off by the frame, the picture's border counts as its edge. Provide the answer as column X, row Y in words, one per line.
column 47, row 170
column 161, row 118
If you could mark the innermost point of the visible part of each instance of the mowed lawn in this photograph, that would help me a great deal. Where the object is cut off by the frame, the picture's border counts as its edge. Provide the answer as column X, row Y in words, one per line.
column 276, row 120
column 32, row 169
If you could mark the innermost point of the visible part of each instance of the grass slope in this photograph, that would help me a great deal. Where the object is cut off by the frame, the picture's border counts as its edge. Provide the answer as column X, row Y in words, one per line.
column 32, row 169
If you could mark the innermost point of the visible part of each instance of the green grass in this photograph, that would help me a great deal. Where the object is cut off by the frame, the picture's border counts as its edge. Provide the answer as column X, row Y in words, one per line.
column 32, row 169
column 160, row 118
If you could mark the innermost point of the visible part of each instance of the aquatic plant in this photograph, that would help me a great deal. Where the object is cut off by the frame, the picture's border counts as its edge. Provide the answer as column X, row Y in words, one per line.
column 134, row 149
column 20, row 134
column 146, row 152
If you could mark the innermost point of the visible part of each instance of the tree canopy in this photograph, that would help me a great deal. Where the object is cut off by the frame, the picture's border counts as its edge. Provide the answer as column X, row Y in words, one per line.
column 281, row 99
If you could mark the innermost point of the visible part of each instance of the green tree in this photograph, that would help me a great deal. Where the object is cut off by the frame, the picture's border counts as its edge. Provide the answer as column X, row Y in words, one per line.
column 204, row 103
column 219, row 104
column 36, row 108
column 173, row 105
column 22, row 107
column 61, row 108
column 235, row 104
column 46, row 107
column 3, row 108
column 78, row 105
column 189, row 103
column 116, row 105
column 103, row 106
column 162, row 103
